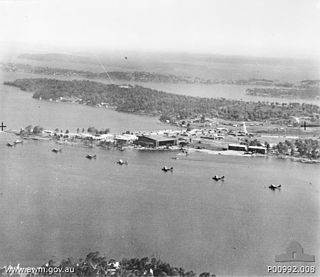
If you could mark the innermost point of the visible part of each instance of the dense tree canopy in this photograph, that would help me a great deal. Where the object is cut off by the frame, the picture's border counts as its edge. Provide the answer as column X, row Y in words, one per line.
column 308, row 148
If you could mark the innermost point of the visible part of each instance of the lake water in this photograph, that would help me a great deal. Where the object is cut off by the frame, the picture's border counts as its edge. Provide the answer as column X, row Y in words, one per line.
column 226, row 91
column 66, row 205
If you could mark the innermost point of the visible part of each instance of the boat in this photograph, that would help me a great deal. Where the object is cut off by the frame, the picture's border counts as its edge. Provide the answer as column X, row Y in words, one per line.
column 122, row 162
column 166, row 169
column 273, row 187
column 217, row 178
column 18, row 141
column 9, row 144
column 90, row 157
column 55, row 150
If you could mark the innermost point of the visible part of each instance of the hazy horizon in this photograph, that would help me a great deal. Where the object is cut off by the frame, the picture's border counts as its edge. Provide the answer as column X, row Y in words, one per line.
column 250, row 28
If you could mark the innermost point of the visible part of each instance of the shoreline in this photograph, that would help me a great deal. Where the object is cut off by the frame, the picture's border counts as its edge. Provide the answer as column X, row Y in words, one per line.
column 183, row 151
column 256, row 155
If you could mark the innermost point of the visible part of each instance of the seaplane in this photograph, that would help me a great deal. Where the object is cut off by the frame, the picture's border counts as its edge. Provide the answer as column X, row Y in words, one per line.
column 122, row 162
column 273, row 187
column 217, row 178
column 166, row 169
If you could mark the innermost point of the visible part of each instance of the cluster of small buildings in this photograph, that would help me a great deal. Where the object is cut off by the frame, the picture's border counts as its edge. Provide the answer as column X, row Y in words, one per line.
column 164, row 139
column 144, row 140
column 120, row 138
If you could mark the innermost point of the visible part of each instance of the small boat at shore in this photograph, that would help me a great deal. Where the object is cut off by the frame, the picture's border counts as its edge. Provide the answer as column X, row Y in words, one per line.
column 217, row 178
column 166, row 169
column 122, row 162
column 55, row 150
column 90, row 157
column 273, row 187
column 12, row 144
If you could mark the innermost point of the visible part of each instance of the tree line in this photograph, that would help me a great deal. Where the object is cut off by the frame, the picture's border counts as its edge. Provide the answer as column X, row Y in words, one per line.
column 308, row 148
column 94, row 264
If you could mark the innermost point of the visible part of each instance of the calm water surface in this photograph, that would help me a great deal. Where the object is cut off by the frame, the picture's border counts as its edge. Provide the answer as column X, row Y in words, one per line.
column 65, row 205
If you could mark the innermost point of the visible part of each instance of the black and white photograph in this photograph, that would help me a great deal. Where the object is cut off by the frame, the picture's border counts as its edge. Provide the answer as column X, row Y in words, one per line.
column 152, row 138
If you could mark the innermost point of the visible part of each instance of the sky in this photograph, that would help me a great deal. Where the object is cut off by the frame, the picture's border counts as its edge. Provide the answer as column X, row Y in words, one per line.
column 276, row 28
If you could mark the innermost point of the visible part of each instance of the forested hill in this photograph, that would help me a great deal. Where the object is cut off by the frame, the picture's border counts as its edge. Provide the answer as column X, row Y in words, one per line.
column 138, row 99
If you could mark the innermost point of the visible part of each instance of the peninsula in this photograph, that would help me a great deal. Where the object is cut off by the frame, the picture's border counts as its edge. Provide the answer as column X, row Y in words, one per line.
column 168, row 106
